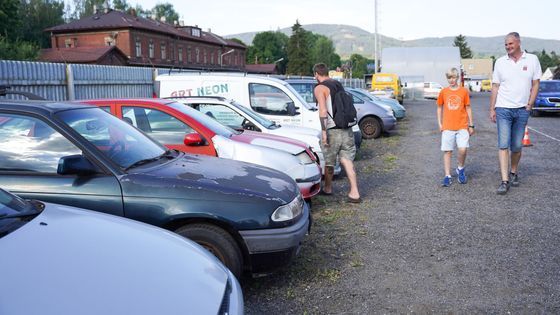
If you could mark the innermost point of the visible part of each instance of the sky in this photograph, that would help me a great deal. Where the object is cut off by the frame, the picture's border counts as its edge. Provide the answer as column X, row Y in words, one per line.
column 401, row 19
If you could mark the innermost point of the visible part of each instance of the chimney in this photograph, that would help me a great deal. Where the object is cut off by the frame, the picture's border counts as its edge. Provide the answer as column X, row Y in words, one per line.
column 182, row 22
column 209, row 30
column 95, row 11
column 162, row 19
column 106, row 8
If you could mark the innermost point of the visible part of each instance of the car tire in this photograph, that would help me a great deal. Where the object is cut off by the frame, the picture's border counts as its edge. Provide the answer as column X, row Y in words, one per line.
column 217, row 241
column 371, row 127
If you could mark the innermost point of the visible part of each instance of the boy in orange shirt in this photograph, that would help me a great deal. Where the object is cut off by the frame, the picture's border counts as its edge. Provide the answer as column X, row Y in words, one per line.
column 456, row 125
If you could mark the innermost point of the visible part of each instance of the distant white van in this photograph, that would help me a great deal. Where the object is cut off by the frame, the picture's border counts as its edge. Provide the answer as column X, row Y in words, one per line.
column 273, row 98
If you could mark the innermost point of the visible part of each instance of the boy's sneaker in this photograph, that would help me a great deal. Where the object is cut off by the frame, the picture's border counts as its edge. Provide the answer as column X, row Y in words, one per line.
column 461, row 177
column 513, row 179
column 446, row 182
column 503, row 188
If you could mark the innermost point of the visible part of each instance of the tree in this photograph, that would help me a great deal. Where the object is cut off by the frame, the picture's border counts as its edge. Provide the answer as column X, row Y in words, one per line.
column 461, row 42
column 359, row 65
column 165, row 10
column 269, row 47
column 37, row 15
column 323, row 51
column 17, row 50
column 9, row 18
column 547, row 60
column 121, row 5
column 299, row 51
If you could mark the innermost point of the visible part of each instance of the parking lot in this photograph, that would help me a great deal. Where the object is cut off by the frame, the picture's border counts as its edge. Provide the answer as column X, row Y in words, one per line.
column 415, row 247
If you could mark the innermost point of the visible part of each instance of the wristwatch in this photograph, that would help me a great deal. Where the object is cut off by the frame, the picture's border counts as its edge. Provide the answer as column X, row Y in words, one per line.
column 471, row 126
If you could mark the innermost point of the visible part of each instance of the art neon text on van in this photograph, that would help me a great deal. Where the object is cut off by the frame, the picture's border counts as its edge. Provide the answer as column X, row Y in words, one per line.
column 209, row 90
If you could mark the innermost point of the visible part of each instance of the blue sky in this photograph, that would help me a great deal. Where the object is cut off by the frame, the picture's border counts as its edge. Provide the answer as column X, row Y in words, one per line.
column 403, row 19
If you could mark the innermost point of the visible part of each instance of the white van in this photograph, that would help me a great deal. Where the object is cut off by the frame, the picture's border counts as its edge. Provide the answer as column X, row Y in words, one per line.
column 270, row 97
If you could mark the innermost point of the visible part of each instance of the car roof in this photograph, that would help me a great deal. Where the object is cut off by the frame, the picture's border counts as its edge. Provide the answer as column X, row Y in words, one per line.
column 127, row 100
column 40, row 107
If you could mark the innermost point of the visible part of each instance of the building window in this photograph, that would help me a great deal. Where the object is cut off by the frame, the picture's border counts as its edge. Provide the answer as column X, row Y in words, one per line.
column 205, row 56
column 212, row 57
column 163, row 51
column 180, row 54
column 195, row 32
column 172, row 51
column 138, row 48
column 189, row 57
column 197, row 55
column 151, row 49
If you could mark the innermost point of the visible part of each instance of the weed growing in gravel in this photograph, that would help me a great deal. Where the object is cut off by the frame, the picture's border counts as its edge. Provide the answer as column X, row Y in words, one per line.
column 332, row 216
column 392, row 141
column 356, row 261
column 332, row 275
column 389, row 162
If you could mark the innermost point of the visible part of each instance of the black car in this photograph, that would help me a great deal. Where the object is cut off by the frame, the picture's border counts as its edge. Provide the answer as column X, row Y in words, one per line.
column 251, row 217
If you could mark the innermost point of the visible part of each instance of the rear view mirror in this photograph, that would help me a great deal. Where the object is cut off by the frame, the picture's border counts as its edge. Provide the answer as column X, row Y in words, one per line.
column 193, row 139
column 75, row 165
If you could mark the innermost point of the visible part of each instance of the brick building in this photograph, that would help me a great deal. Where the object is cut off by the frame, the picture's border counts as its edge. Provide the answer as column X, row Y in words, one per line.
column 142, row 42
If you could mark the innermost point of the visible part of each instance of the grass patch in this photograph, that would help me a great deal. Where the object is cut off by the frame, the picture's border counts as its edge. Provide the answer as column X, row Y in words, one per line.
column 332, row 216
column 331, row 275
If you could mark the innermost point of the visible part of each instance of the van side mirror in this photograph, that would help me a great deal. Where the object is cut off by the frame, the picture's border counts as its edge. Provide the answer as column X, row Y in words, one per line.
column 193, row 139
column 292, row 109
column 75, row 165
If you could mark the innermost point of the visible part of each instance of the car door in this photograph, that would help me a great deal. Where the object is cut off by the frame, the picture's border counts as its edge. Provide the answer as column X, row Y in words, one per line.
column 29, row 154
column 166, row 126
column 274, row 104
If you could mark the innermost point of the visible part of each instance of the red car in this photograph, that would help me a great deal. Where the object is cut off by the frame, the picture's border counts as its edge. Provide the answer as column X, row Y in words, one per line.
column 180, row 127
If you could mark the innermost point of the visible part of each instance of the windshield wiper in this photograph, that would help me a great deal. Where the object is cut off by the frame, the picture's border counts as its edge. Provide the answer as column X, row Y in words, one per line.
column 166, row 154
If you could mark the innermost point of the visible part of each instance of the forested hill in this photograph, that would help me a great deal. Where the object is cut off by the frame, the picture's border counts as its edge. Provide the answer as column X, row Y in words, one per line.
column 350, row 39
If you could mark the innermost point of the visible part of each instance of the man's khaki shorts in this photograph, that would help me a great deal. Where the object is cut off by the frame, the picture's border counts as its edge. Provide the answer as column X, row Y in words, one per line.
column 341, row 143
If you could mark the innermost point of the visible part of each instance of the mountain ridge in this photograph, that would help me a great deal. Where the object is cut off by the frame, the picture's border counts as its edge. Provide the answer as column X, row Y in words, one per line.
column 349, row 39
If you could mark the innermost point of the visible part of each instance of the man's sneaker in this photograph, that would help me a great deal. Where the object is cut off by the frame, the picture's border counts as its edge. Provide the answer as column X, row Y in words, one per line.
column 513, row 179
column 461, row 177
column 446, row 181
column 503, row 188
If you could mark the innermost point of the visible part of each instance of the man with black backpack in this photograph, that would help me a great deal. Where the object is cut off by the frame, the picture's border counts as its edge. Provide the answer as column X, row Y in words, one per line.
column 337, row 116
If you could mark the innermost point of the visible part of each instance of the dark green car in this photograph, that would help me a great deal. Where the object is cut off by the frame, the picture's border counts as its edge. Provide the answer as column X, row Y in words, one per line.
column 251, row 217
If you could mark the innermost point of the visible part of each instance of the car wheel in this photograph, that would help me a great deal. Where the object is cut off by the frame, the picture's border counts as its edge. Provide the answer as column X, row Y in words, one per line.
column 370, row 127
column 218, row 242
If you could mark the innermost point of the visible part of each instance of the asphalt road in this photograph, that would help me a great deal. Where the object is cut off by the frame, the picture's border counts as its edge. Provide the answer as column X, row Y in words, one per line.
column 415, row 247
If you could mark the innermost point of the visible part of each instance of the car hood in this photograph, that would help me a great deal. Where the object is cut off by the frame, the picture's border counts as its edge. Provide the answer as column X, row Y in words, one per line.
column 201, row 177
column 74, row 261
column 291, row 129
column 272, row 141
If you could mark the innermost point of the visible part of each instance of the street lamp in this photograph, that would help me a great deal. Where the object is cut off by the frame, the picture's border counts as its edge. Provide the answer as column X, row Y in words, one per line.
column 222, row 56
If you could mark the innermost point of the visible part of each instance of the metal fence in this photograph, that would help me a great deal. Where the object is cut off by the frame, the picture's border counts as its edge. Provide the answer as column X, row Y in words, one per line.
column 55, row 81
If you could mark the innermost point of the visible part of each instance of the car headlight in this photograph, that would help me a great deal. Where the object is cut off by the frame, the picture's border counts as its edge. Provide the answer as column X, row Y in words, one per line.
column 304, row 158
column 289, row 211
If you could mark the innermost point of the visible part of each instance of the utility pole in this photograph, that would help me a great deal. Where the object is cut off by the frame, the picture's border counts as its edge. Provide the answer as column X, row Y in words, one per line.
column 375, row 40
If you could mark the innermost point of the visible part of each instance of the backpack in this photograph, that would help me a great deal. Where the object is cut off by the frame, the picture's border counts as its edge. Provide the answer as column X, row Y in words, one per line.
column 344, row 113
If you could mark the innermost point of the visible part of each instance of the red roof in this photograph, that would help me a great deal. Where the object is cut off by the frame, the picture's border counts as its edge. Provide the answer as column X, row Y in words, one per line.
column 262, row 68
column 119, row 20
column 78, row 54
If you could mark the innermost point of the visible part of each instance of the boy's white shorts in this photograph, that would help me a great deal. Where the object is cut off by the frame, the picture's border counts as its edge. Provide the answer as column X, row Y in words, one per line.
column 450, row 137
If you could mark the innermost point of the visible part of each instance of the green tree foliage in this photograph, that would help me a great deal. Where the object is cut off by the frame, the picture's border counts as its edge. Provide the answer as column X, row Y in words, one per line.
column 166, row 10
column 9, row 18
column 461, row 42
column 269, row 47
column 36, row 16
column 17, row 50
column 546, row 60
column 323, row 51
column 121, row 5
column 359, row 65
column 299, row 51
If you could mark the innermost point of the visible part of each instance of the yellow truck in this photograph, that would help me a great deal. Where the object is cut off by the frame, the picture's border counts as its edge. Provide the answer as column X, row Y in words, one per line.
column 386, row 82
column 486, row 86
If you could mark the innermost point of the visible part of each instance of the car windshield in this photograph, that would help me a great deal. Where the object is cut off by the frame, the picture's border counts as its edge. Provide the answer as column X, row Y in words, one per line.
column 12, row 210
column 116, row 139
column 365, row 94
column 550, row 86
column 268, row 124
column 207, row 121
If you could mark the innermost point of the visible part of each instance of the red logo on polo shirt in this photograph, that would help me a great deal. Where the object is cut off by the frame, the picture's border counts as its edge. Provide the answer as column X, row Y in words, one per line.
column 524, row 68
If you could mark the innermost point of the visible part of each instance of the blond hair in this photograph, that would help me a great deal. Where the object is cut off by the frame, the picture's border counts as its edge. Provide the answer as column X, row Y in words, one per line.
column 453, row 72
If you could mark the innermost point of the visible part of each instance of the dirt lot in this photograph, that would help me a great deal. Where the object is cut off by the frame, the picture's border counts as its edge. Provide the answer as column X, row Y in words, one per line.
column 415, row 247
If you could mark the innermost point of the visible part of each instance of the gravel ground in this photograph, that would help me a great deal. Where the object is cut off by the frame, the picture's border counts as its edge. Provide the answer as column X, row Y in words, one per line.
column 415, row 247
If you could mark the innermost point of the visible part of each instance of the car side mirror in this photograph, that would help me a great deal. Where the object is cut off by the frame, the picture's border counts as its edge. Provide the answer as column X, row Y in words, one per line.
column 291, row 108
column 75, row 164
column 248, row 125
column 193, row 139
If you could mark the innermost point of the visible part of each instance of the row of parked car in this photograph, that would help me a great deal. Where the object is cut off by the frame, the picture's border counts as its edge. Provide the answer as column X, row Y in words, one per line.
column 205, row 167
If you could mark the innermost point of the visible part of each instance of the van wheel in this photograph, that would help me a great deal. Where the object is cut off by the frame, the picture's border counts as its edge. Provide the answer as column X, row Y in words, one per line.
column 370, row 127
column 218, row 242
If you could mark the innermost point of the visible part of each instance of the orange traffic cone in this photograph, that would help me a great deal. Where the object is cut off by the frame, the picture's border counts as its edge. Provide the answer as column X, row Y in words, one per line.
column 526, row 141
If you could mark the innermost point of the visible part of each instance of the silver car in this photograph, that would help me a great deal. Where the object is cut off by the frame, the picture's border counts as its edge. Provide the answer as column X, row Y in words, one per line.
column 63, row 260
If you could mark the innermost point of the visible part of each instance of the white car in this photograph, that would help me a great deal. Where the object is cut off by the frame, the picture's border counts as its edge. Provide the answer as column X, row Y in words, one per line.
column 432, row 89
column 63, row 260
column 239, row 117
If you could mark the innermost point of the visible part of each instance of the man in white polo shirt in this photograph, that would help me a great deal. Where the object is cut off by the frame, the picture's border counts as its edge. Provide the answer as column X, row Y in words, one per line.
column 515, row 84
